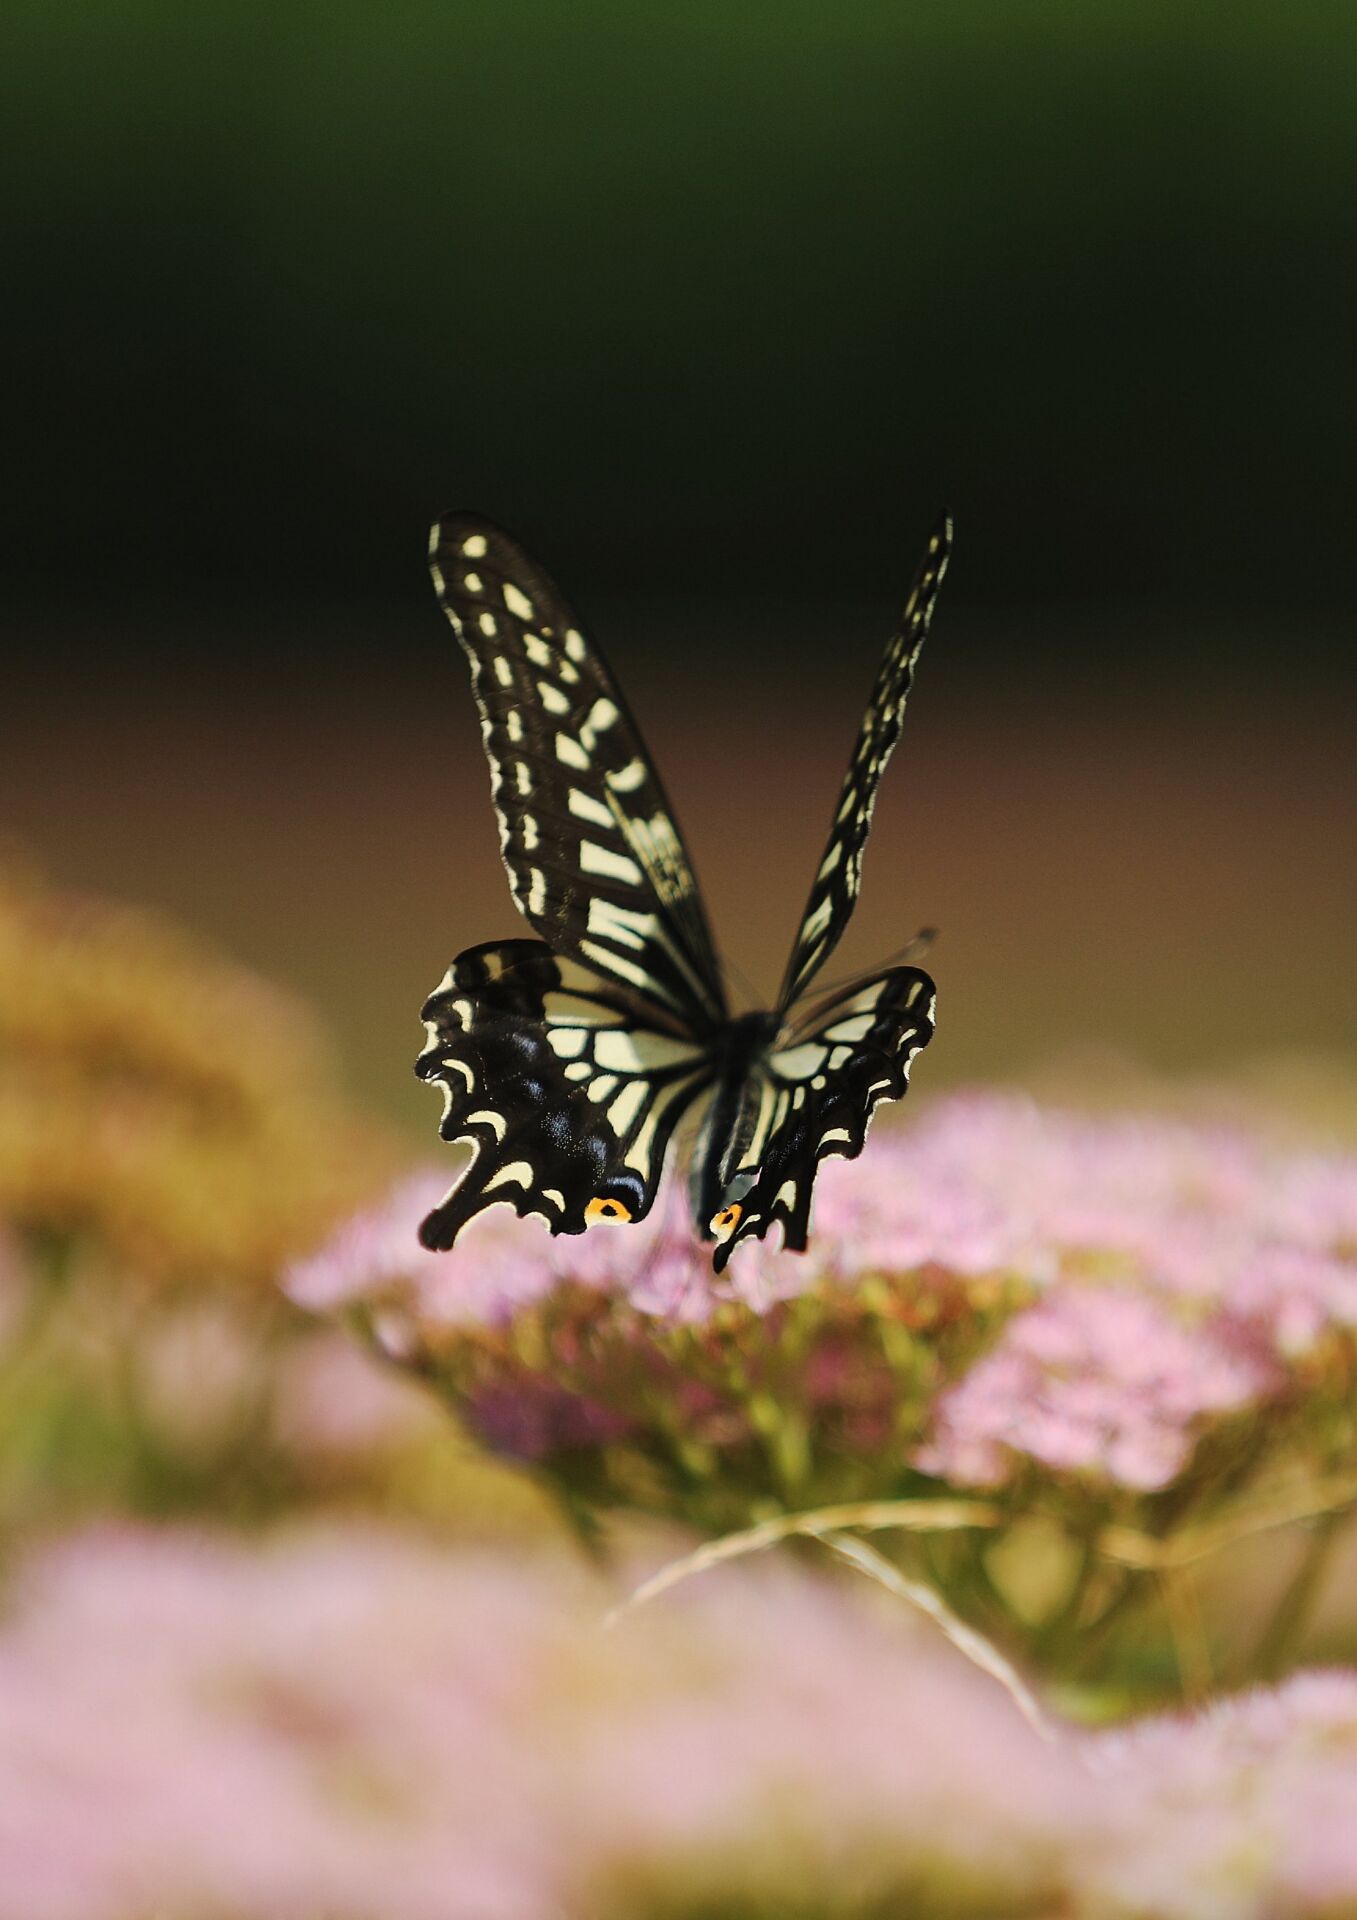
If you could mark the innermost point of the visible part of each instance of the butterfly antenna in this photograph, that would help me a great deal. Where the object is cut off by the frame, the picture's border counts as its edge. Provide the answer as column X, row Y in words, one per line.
column 741, row 980
column 913, row 949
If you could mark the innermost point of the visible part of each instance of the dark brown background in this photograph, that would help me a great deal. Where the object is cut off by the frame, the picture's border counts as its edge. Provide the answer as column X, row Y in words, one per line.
column 715, row 307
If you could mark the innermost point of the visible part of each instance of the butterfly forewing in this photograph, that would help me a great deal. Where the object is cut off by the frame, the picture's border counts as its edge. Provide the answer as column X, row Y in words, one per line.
column 565, row 1093
column 816, row 1096
column 595, row 860
column 839, row 877
column 567, row 1062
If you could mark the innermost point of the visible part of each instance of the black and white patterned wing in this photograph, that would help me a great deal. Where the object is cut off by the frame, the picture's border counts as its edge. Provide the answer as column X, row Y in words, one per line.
column 815, row 1096
column 835, row 890
column 595, row 860
column 566, row 1097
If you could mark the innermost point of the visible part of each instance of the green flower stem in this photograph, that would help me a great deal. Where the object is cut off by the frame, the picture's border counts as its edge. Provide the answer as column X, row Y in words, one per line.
column 1276, row 1644
column 965, row 1639
column 867, row 1516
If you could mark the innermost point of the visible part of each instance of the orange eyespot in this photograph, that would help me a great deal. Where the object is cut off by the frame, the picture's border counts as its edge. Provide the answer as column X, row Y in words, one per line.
column 601, row 1209
column 724, row 1223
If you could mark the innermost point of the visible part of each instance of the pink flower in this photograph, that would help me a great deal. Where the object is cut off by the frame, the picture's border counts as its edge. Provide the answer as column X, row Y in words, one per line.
column 1245, row 1809
column 334, row 1402
column 1092, row 1380
column 1156, row 1278
column 502, row 1265
column 369, row 1726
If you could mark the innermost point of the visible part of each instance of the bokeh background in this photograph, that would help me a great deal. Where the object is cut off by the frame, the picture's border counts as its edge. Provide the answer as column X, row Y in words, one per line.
column 714, row 306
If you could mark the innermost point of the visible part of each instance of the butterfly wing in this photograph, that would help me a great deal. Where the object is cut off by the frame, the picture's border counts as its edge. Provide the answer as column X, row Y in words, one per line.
column 835, row 890
column 565, row 1093
column 815, row 1096
column 595, row 860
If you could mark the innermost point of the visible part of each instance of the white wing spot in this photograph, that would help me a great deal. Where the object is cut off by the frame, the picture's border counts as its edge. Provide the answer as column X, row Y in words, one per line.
column 579, row 1070
column 517, row 602
column 537, row 892
column 570, row 752
column 567, row 1043
column 486, row 1117
column 852, row 1030
column 625, row 1108
column 504, row 671
column 552, row 698
column 622, row 924
column 601, row 716
column 530, row 834
column 623, row 1052
column 522, row 777
column 517, row 1174
column 609, row 865
column 574, row 643
column 474, row 546
column 537, row 650
column 600, row 1089
column 817, row 921
column 628, row 778
column 613, row 963
column 585, row 807
column 794, row 1063
column 513, row 721
column 486, row 623
column 786, row 1194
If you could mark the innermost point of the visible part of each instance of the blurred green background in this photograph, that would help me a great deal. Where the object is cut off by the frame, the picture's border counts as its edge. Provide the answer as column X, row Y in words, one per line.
column 714, row 305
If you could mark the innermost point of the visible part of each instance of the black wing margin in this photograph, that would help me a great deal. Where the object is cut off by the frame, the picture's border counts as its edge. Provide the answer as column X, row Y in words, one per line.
column 596, row 862
column 815, row 1097
column 839, row 878
column 566, row 1097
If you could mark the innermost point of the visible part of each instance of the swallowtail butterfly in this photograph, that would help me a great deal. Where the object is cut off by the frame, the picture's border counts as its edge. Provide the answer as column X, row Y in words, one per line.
column 566, row 1062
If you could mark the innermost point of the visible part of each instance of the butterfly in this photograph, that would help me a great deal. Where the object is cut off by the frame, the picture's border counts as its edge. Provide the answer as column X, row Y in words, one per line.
column 567, row 1062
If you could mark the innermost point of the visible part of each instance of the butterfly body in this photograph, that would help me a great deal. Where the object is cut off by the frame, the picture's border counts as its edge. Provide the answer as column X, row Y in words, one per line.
column 726, row 1126
column 567, row 1062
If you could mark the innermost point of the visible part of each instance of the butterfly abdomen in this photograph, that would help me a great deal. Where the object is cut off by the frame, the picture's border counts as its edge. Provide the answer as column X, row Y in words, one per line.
column 729, row 1122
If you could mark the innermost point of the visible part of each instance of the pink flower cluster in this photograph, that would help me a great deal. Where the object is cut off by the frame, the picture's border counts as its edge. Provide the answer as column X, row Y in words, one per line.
column 1089, row 1293
column 1246, row 1808
column 503, row 1265
column 1093, row 1379
column 369, row 1726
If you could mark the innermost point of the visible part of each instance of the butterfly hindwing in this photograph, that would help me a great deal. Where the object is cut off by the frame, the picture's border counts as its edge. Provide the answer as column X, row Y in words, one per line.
column 839, row 877
column 815, row 1097
column 565, row 1093
column 566, row 1062
column 595, row 860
